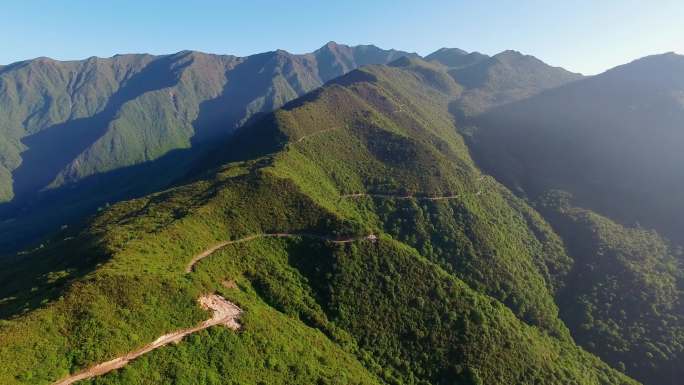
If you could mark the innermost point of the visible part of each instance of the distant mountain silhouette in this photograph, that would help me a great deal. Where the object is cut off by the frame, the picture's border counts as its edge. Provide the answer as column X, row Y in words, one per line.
column 612, row 140
column 455, row 58
column 504, row 78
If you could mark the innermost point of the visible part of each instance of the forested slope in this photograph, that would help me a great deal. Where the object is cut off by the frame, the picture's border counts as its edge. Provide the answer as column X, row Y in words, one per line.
column 77, row 135
column 457, row 283
column 601, row 159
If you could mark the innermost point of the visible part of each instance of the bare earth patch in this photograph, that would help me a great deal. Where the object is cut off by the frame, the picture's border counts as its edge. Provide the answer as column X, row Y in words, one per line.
column 225, row 313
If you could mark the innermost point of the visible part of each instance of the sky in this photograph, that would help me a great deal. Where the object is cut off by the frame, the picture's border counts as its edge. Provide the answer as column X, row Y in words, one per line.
column 587, row 36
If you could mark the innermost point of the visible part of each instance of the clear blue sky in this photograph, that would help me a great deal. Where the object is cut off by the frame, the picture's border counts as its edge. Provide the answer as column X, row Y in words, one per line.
column 588, row 36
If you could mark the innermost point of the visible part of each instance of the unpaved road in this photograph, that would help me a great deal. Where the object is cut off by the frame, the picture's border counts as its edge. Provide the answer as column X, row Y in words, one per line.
column 214, row 248
column 409, row 196
column 316, row 133
column 371, row 237
column 225, row 313
column 418, row 198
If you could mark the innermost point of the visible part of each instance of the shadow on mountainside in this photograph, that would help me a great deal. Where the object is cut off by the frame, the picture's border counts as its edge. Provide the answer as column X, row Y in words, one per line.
column 32, row 280
column 52, row 149
column 250, row 90
column 29, row 220
column 38, row 213
column 24, row 222
column 54, row 255
column 254, row 87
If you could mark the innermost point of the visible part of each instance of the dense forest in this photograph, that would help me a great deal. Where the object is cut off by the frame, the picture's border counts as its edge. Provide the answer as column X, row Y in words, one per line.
column 372, row 231
column 600, row 159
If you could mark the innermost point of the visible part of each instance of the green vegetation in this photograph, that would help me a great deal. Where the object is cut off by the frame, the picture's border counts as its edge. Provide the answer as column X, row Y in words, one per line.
column 467, row 297
column 504, row 78
column 271, row 347
column 623, row 298
column 367, row 294
column 76, row 135
column 454, row 58
column 613, row 141
column 481, row 238
column 601, row 160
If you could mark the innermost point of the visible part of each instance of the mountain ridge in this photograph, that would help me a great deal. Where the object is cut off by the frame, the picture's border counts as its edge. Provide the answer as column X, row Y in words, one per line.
column 451, row 290
column 600, row 159
column 147, row 126
column 68, row 142
column 505, row 78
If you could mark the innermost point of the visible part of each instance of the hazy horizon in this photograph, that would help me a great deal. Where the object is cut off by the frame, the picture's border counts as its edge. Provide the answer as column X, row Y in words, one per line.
column 582, row 37
column 423, row 54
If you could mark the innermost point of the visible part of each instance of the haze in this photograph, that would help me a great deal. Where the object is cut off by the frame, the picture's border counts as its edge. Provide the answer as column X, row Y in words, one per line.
column 583, row 36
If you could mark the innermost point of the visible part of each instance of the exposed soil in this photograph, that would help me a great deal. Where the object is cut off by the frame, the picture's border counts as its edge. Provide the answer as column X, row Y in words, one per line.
column 225, row 313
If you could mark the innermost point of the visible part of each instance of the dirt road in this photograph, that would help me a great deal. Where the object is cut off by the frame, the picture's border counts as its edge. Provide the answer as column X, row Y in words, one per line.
column 316, row 133
column 395, row 196
column 214, row 248
column 225, row 313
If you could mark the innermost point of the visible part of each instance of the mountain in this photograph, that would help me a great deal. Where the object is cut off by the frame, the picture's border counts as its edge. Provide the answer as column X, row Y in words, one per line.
column 612, row 141
column 76, row 135
column 455, row 58
column 336, row 59
column 504, row 78
column 497, row 80
column 601, row 159
column 351, row 235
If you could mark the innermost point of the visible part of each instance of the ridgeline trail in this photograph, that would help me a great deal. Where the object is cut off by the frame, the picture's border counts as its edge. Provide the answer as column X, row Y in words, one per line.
column 407, row 196
column 371, row 237
column 316, row 133
column 412, row 196
column 214, row 248
column 225, row 313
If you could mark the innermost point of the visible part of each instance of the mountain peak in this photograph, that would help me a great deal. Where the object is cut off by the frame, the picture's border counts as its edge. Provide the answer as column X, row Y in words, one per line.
column 667, row 57
column 506, row 77
column 43, row 60
column 452, row 51
column 455, row 58
column 510, row 54
column 406, row 61
column 282, row 52
column 664, row 70
column 332, row 46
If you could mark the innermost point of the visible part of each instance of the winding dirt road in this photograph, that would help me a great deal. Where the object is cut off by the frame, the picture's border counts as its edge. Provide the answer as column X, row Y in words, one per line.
column 225, row 313
column 214, row 248
column 316, row 133
column 419, row 198
column 371, row 237
column 409, row 196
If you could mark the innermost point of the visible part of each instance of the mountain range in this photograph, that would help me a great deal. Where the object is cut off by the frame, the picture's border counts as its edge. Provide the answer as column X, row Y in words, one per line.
column 611, row 140
column 368, row 217
column 78, row 135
